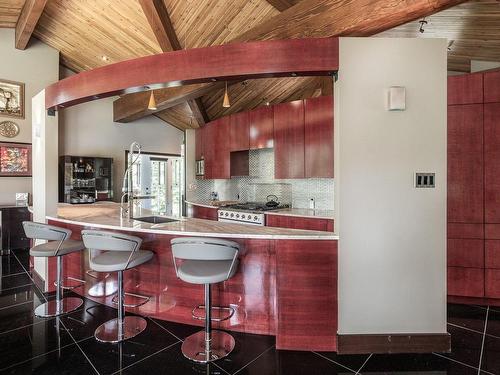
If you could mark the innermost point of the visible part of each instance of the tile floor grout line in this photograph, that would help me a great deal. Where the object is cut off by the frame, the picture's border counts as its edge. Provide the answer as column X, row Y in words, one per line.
column 220, row 368
column 79, row 347
column 15, row 274
column 364, row 363
column 165, row 329
column 14, row 287
column 253, row 360
column 454, row 360
column 147, row 357
column 465, row 328
column 331, row 360
column 482, row 343
column 25, row 326
column 15, row 305
column 31, row 278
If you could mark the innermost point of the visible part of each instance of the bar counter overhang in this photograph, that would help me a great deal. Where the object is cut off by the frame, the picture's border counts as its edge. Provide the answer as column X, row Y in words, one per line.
column 285, row 286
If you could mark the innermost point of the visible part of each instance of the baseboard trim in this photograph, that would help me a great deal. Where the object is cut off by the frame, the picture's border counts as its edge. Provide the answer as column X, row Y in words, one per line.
column 394, row 343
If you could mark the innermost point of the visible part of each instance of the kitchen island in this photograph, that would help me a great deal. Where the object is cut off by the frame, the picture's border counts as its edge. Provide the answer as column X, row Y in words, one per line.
column 286, row 283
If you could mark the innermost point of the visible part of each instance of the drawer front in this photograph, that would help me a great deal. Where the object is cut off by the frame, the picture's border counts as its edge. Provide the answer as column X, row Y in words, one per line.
column 466, row 282
column 492, row 253
column 294, row 222
column 466, row 253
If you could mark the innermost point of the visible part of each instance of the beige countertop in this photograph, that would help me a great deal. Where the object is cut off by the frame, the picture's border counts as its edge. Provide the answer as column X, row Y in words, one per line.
column 299, row 212
column 107, row 216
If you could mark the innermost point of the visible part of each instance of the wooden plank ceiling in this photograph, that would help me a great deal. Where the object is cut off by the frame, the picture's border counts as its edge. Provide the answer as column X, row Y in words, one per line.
column 92, row 33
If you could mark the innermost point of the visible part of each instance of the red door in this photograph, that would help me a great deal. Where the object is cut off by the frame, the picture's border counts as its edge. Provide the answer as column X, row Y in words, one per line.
column 465, row 163
column 289, row 140
column 465, row 89
column 492, row 162
column 318, row 124
column 261, row 127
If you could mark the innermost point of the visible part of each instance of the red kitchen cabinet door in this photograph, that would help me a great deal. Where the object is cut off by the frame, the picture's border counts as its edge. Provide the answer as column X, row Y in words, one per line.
column 492, row 283
column 261, row 128
column 198, row 143
column 466, row 282
column 492, row 162
column 289, row 140
column 294, row 222
column 465, row 164
column 492, row 87
column 318, row 138
column 239, row 132
column 216, row 149
column 200, row 212
column 492, row 254
column 466, row 253
column 465, row 89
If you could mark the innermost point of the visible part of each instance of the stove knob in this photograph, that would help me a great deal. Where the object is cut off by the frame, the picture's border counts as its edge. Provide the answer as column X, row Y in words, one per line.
column 226, row 214
column 255, row 218
column 232, row 215
column 242, row 216
column 237, row 215
column 221, row 213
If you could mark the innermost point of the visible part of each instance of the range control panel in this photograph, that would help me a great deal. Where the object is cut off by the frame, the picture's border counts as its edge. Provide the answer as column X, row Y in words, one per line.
column 242, row 217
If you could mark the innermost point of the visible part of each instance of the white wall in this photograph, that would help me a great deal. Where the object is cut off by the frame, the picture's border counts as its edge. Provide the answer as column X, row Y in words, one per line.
column 37, row 67
column 392, row 248
column 88, row 130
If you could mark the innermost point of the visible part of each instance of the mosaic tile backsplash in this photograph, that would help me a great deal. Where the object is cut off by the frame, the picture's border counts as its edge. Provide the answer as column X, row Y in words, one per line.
column 261, row 182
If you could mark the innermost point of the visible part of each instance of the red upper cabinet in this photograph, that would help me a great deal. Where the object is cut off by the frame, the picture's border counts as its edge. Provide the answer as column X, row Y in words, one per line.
column 220, row 146
column 465, row 89
column 289, row 140
column 260, row 126
column 239, row 131
column 318, row 121
column 492, row 162
column 492, row 87
column 465, row 163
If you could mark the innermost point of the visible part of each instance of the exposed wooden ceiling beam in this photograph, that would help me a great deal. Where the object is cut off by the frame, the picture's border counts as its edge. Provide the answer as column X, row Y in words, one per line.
column 159, row 20
column 281, row 5
column 27, row 21
column 322, row 18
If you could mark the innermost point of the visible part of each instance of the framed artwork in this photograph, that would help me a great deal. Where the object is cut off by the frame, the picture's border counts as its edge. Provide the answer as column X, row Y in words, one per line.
column 15, row 159
column 11, row 98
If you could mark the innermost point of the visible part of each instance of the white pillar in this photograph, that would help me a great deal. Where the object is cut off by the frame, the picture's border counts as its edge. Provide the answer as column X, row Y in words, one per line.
column 45, row 169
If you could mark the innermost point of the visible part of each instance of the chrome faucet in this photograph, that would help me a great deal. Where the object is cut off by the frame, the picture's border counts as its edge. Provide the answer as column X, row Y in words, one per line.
column 127, row 186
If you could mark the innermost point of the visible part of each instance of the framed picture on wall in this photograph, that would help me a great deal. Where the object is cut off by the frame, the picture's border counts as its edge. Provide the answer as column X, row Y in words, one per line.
column 15, row 159
column 11, row 98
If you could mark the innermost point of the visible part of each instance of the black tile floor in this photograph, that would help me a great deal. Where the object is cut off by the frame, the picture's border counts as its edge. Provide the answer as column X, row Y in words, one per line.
column 65, row 345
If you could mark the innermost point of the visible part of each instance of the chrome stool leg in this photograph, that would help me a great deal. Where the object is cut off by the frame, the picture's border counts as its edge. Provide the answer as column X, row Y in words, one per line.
column 208, row 345
column 123, row 327
column 60, row 305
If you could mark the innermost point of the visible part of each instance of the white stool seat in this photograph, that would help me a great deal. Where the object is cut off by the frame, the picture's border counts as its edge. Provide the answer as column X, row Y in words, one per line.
column 206, row 271
column 111, row 261
column 49, row 249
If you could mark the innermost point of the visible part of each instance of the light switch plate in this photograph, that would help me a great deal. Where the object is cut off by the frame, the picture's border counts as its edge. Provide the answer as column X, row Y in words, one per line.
column 425, row 180
column 397, row 98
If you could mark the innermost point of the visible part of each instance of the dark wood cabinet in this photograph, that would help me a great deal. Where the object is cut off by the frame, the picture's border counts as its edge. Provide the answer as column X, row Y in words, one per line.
column 261, row 128
column 465, row 89
column 466, row 282
column 465, row 163
column 492, row 162
column 492, row 87
column 318, row 137
column 289, row 140
column 200, row 212
column 239, row 131
column 12, row 234
column 295, row 222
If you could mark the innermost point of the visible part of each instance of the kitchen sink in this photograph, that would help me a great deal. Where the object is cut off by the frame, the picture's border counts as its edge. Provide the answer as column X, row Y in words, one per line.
column 155, row 219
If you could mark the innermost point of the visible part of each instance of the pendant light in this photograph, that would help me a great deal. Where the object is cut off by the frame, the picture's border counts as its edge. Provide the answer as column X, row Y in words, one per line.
column 225, row 102
column 152, row 102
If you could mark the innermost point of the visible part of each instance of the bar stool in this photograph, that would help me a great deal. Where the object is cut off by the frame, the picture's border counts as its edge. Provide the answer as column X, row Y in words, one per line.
column 206, row 261
column 59, row 244
column 121, row 252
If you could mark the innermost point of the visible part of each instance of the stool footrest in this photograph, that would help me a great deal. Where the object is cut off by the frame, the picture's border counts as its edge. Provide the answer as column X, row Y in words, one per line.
column 95, row 274
column 66, row 286
column 217, row 308
column 144, row 300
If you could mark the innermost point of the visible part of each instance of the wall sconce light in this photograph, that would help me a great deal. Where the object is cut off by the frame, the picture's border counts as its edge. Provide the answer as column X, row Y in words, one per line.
column 396, row 98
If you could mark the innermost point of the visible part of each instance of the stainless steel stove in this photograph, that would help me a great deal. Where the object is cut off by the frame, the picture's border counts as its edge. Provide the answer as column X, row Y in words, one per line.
column 251, row 213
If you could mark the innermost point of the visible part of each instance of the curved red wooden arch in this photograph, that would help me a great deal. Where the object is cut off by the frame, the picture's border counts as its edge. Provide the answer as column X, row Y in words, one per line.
column 276, row 58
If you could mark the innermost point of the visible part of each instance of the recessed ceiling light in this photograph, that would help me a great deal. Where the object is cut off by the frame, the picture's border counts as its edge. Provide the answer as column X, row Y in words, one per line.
column 104, row 58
